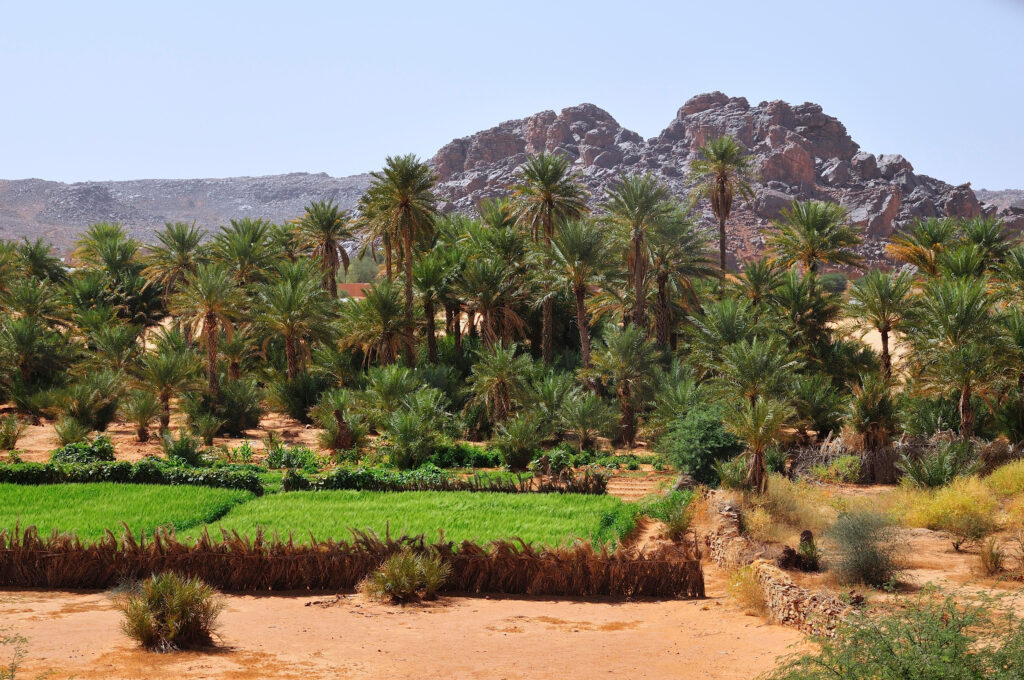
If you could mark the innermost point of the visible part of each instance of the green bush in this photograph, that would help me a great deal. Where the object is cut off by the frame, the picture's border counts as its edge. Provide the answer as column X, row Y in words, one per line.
column 11, row 429
column 463, row 455
column 930, row 639
column 732, row 474
column 833, row 282
column 280, row 457
column 71, row 431
column 297, row 397
column 939, row 466
column 406, row 577
column 146, row 471
column 184, row 448
column 697, row 441
column 866, row 548
column 166, row 612
column 516, row 440
column 677, row 511
column 842, row 470
column 98, row 450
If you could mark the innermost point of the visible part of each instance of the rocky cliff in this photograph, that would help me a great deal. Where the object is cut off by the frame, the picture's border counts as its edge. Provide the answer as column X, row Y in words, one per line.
column 800, row 152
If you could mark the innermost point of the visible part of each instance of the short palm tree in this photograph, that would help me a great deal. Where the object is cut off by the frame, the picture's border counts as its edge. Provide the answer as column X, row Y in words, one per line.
column 581, row 252
column 759, row 280
column 722, row 171
column 178, row 253
column 921, row 244
column 625, row 358
column 585, row 415
column 167, row 370
column 679, row 255
column 637, row 204
column 546, row 195
column 881, row 301
column 296, row 308
column 207, row 304
column 761, row 367
column 140, row 408
column 432, row 276
column 376, row 325
column 401, row 197
column 499, row 381
column 324, row 228
column 758, row 423
column 810, row 233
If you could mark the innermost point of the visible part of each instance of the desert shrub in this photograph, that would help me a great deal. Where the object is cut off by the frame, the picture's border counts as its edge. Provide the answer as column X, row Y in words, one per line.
column 758, row 524
column 732, row 474
column 929, row 639
column 992, row 556
column 695, row 443
column 677, row 510
column 280, row 457
column 239, row 407
column 406, row 577
column 70, row 431
column 966, row 509
column 93, row 401
column 11, row 429
column 516, row 440
column 799, row 505
column 462, row 454
column 842, row 470
column 744, row 588
column 833, row 282
column 865, row 548
column 140, row 408
column 1015, row 514
column 1007, row 480
column 167, row 612
column 939, row 466
column 184, row 448
column 95, row 451
column 297, row 397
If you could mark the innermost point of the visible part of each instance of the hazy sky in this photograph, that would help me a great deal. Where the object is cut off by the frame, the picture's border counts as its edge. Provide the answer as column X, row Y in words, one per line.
column 125, row 90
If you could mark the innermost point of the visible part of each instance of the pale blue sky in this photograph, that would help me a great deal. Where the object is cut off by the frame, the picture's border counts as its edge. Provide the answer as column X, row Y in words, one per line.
column 123, row 90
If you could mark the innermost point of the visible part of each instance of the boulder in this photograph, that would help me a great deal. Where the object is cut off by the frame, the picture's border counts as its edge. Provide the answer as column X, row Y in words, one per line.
column 961, row 202
column 769, row 203
column 865, row 165
column 835, row 172
column 891, row 164
column 792, row 164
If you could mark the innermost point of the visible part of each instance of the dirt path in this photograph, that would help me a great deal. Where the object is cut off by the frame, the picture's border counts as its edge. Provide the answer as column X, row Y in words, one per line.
column 76, row 634
column 633, row 487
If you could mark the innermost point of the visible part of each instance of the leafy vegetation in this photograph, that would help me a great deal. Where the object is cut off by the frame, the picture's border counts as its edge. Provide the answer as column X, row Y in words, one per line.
column 167, row 612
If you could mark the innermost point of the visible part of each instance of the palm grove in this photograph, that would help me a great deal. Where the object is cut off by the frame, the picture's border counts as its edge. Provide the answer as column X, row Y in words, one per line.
column 530, row 322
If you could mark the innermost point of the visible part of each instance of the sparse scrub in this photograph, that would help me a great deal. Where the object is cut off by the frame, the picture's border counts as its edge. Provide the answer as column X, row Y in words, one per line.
column 11, row 429
column 965, row 509
column 167, row 612
column 406, row 577
column 865, row 548
column 744, row 588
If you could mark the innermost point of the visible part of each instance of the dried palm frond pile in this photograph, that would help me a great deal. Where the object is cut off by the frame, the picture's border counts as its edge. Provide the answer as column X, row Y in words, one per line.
column 240, row 563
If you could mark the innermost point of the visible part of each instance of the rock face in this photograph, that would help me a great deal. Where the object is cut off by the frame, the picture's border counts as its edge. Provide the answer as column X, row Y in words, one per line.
column 59, row 212
column 799, row 153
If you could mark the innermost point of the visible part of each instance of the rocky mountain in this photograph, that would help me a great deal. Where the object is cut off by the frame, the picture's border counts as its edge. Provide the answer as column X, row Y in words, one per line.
column 1007, row 198
column 799, row 151
column 58, row 211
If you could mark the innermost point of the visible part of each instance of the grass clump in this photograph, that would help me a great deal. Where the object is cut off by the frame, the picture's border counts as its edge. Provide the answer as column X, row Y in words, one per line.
column 744, row 588
column 11, row 429
column 1007, row 480
column 865, row 548
column 929, row 639
column 842, row 470
column 939, row 466
column 167, row 612
column 677, row 511
column 71, row 431
column 406, row 577
column 966, row 509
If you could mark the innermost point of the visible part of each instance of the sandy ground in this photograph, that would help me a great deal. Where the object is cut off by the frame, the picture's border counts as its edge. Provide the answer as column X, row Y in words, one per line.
column 77, row 635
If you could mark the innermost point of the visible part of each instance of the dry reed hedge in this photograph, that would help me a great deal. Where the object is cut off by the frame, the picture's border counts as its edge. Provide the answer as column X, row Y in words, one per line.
column 239, row 563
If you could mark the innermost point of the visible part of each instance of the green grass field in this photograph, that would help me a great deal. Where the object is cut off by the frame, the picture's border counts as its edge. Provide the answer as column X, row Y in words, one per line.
column 543, row 519
column 88, row 509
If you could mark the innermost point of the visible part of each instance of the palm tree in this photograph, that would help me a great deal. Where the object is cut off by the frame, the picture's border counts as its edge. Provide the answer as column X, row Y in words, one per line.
column 546, row 196
column 759, row 281
column 401, row 197
column 491, row 289
column 762, row 367
column 581, row 252
column 881, row 301
column 585, row 415
column 168, row 369
column 990, row 236
column 678, row 254
column 722, row 171
column 324, row 228
column 812, row 232
column 721, row 323
column 245, row 249
column 758, row 423
column 178, row 254
column 626, row 358
column 637, row 204
column 921, row 244
column 37, row 260
column 499, row 381
column 432, row 276
column 207, row 303
column 376, row 325
column 295, row 307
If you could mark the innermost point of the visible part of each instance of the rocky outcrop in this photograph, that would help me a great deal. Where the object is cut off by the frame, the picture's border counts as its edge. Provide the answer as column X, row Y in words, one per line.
column 799, row 153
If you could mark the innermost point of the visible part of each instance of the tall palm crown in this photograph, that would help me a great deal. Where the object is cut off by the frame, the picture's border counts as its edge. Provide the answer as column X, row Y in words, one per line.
column 324, row 227
column 810, row 233
column 376, row 325
column 581, row 252
column 547, row 195
column 402, row 200
column 637, row 204
column 922, row 243
column 679, row 254
column 245, row 248
column 881, row 301
column 207, row 303
column 177, row 254
column 37, row 260
column 722, row 171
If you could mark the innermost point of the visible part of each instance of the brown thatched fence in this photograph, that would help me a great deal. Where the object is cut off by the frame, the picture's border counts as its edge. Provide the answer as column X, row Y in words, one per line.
column 260, row 564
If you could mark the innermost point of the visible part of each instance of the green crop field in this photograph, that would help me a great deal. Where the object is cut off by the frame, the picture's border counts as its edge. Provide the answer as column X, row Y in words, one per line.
column 543, row 519
column 88, row 509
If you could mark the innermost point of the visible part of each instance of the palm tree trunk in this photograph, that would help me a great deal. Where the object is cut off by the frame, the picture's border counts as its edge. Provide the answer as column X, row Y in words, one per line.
column 662, row 312
column 966, row 413
column 387, row 260
column 210, row 330
column 639, row 282
column 410, row 348
column 428, row 312
column 142, row 433
column 584, row 324
column 343, row 438
column 548, row 306
column 756, row 477
column 886, row 358
column 721, row 250
column 291, row 357
column 165, row 412
column 627, row 417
